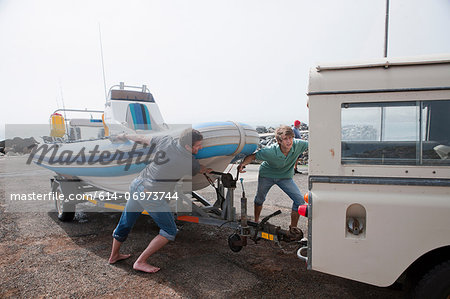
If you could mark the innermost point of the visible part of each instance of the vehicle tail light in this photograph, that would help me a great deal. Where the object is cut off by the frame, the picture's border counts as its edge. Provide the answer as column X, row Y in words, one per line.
column 305, row 197
column 303, row 210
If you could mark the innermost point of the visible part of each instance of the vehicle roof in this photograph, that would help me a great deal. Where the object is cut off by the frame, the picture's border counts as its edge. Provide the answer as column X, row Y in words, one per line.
column 432, row 71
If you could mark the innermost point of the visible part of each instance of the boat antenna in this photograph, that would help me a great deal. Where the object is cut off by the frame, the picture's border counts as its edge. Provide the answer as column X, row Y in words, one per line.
column 57, row 104
column 62, row 100
column 103, row 64
column 386, row 29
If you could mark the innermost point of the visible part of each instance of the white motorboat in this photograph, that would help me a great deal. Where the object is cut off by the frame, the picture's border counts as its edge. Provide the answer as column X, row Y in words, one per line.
column 108, row 165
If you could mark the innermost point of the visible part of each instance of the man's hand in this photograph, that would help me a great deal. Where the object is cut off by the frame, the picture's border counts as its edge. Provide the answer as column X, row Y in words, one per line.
column 244, row 163
column 118, row 138
column 204, row 169
column 241, row 168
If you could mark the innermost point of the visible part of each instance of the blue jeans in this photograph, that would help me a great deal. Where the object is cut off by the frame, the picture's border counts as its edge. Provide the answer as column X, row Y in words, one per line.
column 287, row 185
column 134, row 208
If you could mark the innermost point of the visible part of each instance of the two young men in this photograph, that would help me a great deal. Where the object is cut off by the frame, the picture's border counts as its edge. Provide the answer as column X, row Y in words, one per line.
column 277, row 169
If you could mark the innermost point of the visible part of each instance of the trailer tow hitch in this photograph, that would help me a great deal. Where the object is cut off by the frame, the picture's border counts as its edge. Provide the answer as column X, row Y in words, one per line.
column 257, row 231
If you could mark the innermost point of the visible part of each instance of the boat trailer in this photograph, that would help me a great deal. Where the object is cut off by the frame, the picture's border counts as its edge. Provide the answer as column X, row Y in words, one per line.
column 221, row 213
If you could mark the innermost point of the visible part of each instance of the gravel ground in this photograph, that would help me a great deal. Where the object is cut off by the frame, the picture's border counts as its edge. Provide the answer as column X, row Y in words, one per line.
column 43, row 257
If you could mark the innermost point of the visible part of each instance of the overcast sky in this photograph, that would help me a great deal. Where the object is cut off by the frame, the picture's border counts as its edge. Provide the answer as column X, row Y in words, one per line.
column 203, row 60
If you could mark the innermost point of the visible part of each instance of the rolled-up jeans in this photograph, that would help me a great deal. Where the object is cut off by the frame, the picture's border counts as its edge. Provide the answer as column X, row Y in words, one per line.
column 287, row 185
column 133, row 209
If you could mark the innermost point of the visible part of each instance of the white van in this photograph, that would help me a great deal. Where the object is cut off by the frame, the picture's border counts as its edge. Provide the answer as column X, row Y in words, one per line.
column 379, row 172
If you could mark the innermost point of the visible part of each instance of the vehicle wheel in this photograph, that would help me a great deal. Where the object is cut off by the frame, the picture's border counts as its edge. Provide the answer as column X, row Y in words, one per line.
column 64, row 209
column 435, row 284
column 233, row 238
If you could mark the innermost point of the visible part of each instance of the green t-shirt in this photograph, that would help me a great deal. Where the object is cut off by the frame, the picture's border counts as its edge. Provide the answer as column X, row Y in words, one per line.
column 276, row 165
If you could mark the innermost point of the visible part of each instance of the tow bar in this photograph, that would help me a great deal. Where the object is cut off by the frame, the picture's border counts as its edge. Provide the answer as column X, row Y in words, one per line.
column 251, row 230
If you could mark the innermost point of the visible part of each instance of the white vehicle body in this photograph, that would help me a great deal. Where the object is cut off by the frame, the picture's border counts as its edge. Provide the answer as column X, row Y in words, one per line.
column 379, row 160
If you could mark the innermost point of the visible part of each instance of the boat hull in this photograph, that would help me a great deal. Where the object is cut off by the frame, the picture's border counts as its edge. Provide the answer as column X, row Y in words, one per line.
column 223, row 142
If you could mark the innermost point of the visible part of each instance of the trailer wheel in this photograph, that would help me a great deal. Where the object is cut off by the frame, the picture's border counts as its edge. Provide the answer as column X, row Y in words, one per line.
column 435, row 284
column 231, row 242
column 65, row 209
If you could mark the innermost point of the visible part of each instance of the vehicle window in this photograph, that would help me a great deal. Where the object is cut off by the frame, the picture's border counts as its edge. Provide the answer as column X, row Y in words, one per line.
column 436, row 133
column 361, row 123
column 396, row 133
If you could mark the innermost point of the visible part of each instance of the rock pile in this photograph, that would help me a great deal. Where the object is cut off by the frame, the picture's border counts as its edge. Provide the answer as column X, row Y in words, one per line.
column 17, row 145
column 304, row 158
column 261, row 129
column 359, row 133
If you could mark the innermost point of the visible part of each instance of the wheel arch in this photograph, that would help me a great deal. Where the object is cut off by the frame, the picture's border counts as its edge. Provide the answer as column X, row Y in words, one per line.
column 425, row 263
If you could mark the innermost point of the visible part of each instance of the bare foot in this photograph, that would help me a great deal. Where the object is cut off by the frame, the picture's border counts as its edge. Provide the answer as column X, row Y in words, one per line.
column 144, row 267
column 114, row 259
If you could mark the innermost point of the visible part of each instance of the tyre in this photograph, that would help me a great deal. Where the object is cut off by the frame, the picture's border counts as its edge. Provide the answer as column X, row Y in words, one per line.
column 64, row 209
column 232, row 239
column 435, row 284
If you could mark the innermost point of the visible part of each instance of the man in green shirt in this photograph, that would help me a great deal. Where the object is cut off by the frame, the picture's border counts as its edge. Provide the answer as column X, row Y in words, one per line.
column 277, row 168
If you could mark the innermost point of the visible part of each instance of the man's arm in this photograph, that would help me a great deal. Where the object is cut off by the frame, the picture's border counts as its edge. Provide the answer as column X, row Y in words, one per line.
column 143, row 139
column 247, row 160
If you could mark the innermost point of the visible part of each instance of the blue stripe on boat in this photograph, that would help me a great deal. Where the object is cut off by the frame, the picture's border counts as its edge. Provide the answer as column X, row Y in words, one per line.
column 224, row 150
column 249, row 149
column 217, row 150
column 138, row 113
column 140, row 116
column 119, row 170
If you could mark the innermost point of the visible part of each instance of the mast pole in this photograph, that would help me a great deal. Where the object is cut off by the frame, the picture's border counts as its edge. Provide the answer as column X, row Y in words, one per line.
column 103, row 64
column 386, row 29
